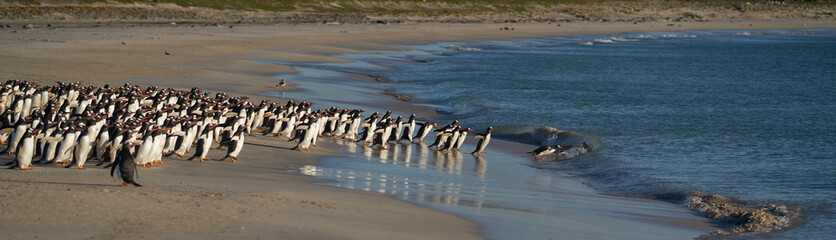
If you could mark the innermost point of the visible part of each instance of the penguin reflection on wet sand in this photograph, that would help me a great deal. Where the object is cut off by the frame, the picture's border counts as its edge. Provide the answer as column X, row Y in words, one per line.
column 125, row 163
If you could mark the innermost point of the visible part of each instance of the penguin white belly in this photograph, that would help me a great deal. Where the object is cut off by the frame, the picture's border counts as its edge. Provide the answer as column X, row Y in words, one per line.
column 81, row 151
column 27, row 151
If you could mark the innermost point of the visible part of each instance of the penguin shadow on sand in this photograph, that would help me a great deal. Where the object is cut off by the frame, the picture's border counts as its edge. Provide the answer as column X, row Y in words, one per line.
column 60, row 183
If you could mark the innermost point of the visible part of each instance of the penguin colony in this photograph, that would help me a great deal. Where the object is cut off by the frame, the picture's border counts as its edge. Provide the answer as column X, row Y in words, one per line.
column 128, row 126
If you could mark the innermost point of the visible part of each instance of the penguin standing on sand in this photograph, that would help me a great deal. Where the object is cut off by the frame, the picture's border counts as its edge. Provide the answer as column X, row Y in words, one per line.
column 236, row 142
column 25, row 151
column 82, row 149
column 19, row 129
column 125, row 163
column 306, row 139
column 204, row 142
column 484, row 139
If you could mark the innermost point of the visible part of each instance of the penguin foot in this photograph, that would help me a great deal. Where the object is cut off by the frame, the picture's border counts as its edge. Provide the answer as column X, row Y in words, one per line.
column 26, row 168
column 484, row 152
column 160, row 162
column 81, row 167
column 234, row 159
column 204, row 160
column 178, row 154
column 124, row 185
column 187, row 151
column 306, row 149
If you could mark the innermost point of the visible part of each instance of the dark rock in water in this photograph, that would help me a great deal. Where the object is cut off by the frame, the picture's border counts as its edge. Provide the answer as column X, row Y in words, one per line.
column 29, row 26
column 380, row 79
column 423, row 61
column 741, row 216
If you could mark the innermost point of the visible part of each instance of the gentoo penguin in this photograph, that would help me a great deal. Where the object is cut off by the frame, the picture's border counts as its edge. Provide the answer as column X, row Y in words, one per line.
column 82, row 149
column 425, row 130
column 453, row 139
column 184, row 143
column 289, row 125
column 159, row 142
column 484, row 139
column 281, row 83
column 398, row 129
column 19, row 129
column 115, row 144
column 351, row 131
column 235, row 145
column 460, row 141
column 25, row 151
column 371, row 125
column 204, row 142
column 310, row 133
column 382, row 134
column 144, row 152
column 544, row 150
column 409, row 128
column 125, row 163
column 444, row 133
column 63, row 154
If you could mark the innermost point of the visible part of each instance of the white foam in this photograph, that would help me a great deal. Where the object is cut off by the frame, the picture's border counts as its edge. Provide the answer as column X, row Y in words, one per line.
column 621, row 39
column 460, row 48
column 604, row 41
column 587, row 43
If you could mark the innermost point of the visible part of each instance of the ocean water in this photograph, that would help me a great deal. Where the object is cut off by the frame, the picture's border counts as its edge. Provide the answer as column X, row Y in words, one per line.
column 744, row 114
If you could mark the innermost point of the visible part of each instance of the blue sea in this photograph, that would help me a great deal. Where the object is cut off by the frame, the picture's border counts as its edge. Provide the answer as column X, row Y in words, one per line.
column 743, row 114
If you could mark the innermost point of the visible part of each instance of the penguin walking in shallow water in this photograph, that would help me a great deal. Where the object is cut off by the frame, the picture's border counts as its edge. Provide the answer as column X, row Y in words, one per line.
column 409, row 129
column 454, row 146
column 484, row 139
column 424, row 131
column 125, row 163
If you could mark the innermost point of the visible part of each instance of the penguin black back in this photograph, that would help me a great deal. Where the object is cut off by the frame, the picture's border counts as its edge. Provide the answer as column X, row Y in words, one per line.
column 127, row 168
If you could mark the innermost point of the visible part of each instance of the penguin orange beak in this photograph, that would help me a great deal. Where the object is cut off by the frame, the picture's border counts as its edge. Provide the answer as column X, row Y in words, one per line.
column 493, row 128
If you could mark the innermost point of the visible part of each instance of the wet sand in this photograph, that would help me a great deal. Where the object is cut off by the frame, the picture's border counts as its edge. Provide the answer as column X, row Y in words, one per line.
column 257, row 197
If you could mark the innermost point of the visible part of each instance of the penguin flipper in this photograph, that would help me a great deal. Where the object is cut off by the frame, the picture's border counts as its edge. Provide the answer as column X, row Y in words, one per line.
column 479, row 136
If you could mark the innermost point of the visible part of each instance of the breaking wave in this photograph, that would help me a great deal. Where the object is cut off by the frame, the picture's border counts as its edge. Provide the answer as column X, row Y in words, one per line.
column 461, row 48
column 543, row 136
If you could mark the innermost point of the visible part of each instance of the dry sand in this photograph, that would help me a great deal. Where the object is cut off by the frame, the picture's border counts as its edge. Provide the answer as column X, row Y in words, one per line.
column 257, row 197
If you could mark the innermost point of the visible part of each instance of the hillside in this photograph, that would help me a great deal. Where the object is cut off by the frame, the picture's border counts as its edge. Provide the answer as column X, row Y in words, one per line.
column 404, row 11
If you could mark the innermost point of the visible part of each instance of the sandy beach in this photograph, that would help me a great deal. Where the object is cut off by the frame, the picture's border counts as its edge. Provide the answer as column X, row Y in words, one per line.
column 262, row 196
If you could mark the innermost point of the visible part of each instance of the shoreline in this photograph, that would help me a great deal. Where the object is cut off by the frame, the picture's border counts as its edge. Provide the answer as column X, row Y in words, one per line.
column 202, row 69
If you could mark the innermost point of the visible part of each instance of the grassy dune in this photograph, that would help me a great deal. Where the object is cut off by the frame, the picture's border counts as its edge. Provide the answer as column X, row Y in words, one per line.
column 371, row 11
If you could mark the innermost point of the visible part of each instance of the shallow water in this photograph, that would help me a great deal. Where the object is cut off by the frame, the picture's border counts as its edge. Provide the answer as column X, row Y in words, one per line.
column 502, row 193
column 746, row 114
